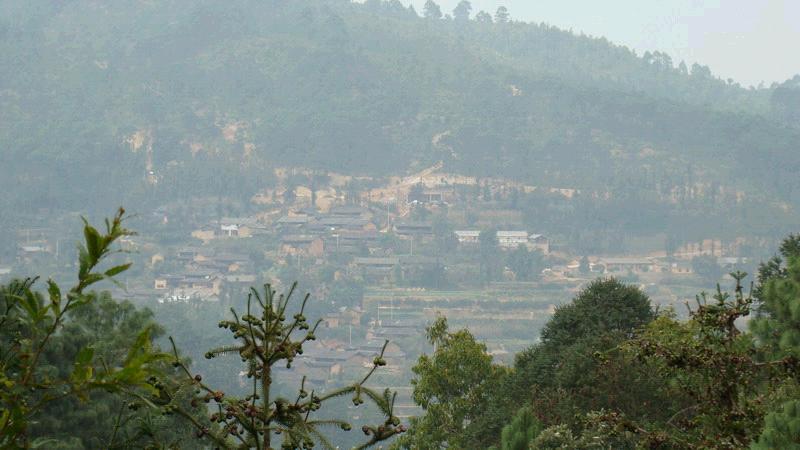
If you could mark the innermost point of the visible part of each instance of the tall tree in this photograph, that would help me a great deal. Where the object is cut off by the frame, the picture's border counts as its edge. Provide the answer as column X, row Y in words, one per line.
column 451, row 385
column 526, row 264
column 431, row 10
column 483, row 17
column 562, row 375
column 522, row 430
column 489, row 256
column 462, row 10
column 501, row 15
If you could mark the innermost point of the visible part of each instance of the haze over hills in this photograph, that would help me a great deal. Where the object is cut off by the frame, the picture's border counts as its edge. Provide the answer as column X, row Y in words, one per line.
column 95, row 94
column 440, row 187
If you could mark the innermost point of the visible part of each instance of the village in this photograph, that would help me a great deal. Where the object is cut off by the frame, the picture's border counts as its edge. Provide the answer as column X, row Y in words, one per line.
column 383, row 261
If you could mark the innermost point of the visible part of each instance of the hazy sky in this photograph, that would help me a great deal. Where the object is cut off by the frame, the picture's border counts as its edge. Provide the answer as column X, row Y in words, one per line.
column 747, row 40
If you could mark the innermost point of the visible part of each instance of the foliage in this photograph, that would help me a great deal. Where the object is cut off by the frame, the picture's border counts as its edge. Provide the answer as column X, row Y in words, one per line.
column 522, row 430
column 264, row 339
column 563, row 375
column 711, row 362
column 490, row 269
column 30, row 325
column 451, row 386
column 103, row 419
column 781, row 429
column 604, row 306
column 778, row 324
column 526, row 265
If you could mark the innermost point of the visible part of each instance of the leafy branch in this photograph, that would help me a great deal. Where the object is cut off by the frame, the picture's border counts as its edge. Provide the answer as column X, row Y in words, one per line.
column 264, row 337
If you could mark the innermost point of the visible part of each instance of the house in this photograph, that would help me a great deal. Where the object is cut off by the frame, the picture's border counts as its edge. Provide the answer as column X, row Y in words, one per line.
column 343, row 223
column 634, row 265
column 30, row 250
column 241, row 279
column 344, row 317
column 391, row 330
column 430, row 195
column 681, row 267
column 241, row 227
column 294, row 222
column 188, row 255
column 300, row 244
column 512, row 239
column 351, row 242
column 539, row 242
column 192, row 284
column 376, row 262
column 201, row 279
column 731, row 262
column 351, row 211
column 376, row 268
column 229, row 262
column 413, row 228
column 468, row 236
column 367, row 238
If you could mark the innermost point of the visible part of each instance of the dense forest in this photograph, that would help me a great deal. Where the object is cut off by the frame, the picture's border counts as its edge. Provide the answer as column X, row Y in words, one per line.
column 93, row 92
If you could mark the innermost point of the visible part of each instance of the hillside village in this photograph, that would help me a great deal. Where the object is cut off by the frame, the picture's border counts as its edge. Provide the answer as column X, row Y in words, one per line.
column 385, row 257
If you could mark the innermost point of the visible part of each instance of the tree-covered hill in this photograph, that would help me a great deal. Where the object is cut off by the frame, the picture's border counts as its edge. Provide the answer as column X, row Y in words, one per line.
column 168, row 99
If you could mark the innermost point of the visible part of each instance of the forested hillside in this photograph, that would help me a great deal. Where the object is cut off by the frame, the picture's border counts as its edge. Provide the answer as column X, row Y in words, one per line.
column 155, row 97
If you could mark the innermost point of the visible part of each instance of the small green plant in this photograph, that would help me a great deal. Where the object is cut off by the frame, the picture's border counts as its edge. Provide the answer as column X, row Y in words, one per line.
column 265, row 338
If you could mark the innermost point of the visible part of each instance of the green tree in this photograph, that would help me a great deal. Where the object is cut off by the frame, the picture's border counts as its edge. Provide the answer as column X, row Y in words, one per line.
column 522, row 430
column 462, row 10
column 710, row 363
column 776, row 267
column 563, row 375
column 483, row 17
column 526, row 264
column 451, row 386
column 501, row 15
column 781, row 429
column 489, row 256
column 431, row 10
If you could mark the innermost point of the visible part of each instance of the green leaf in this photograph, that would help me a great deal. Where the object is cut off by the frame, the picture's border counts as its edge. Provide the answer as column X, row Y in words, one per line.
column 142, row 343
column 117, row 270
column 83, row 365
column 84, row 356
column 84, row 261
column 92, row 278
column 55, row 296
column 94, row 242
column 43, row 443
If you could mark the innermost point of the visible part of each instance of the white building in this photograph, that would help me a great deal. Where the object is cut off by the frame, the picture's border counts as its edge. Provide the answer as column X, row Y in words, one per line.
column 512, row 239
column 468, row 236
